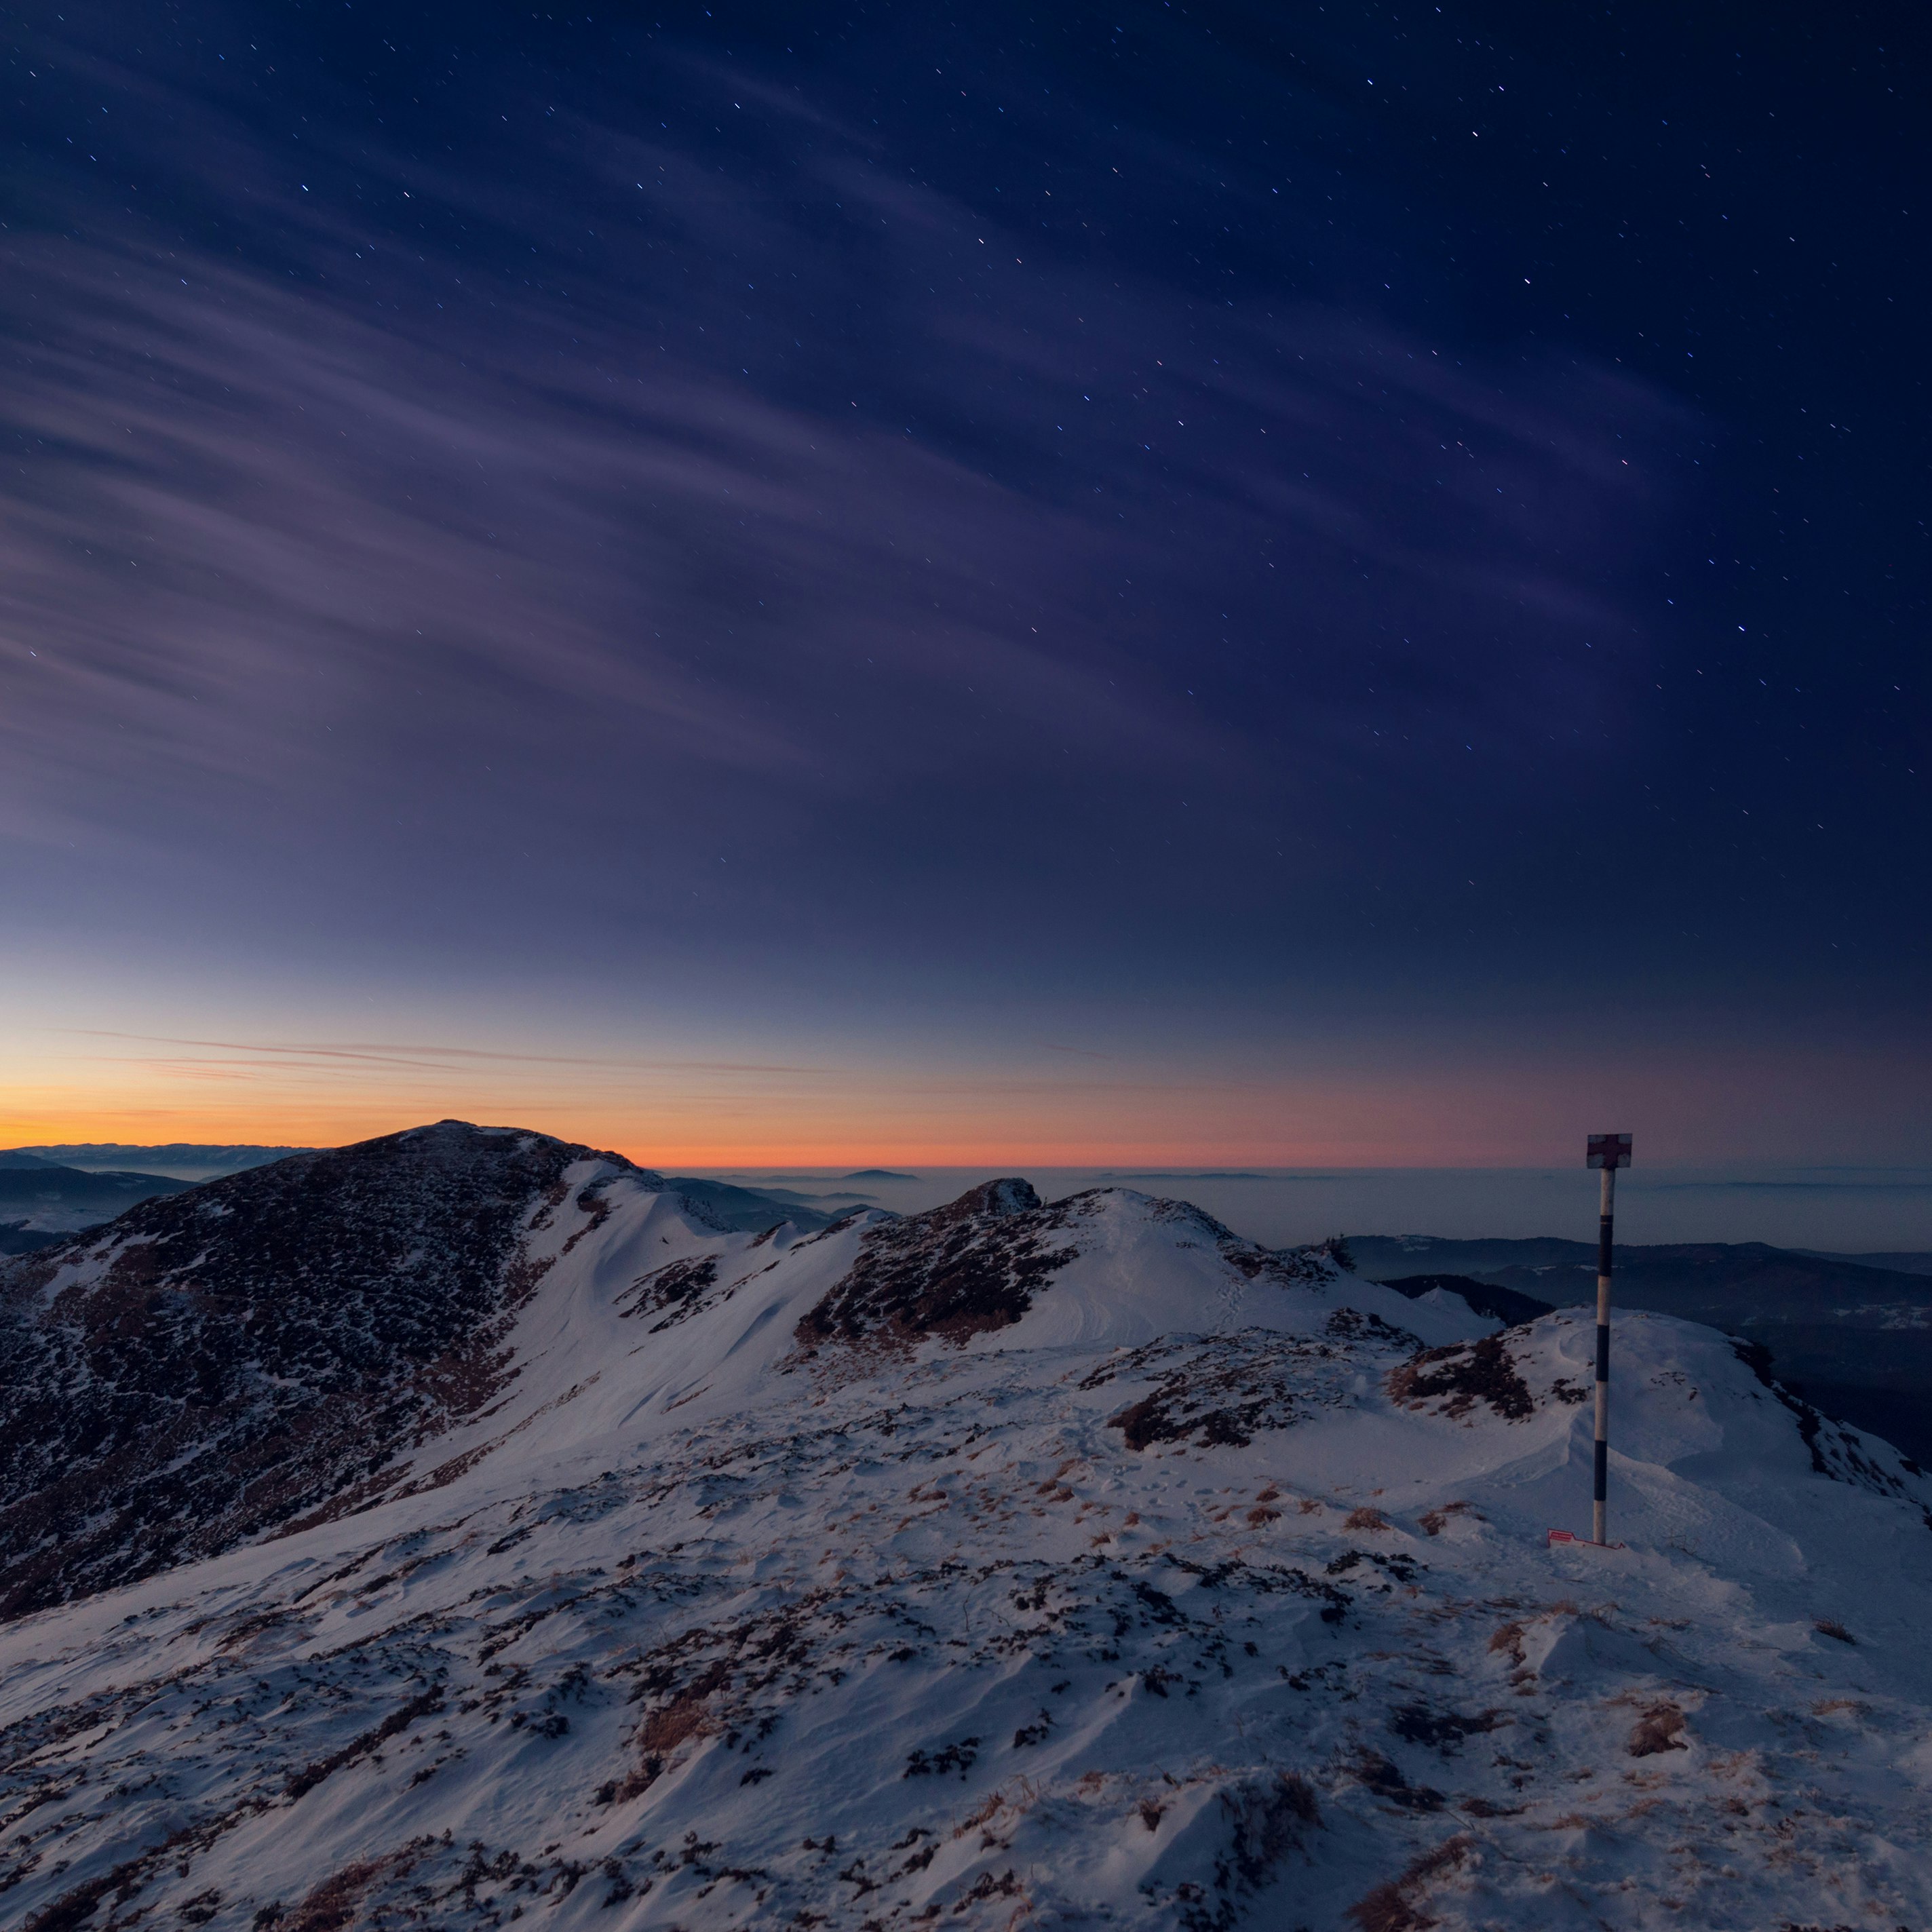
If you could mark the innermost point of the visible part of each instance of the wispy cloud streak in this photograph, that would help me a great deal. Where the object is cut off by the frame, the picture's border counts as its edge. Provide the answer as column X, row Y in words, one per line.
column 644, row 534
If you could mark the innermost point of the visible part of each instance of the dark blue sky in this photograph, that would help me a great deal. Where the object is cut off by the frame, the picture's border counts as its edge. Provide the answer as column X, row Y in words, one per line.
column 1213, row 525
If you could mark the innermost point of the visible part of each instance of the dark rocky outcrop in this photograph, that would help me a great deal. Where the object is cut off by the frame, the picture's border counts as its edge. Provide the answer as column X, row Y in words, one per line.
column 955, row 1272
column 979, row 1263
column 1456, row 1378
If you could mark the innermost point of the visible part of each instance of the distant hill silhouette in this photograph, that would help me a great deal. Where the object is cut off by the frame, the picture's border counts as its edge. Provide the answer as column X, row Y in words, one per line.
column 1854, row 1335
column 183, row 1160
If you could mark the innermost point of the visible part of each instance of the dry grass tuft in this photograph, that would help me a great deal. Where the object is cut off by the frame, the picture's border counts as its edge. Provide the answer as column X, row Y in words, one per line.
column 1659, row 1730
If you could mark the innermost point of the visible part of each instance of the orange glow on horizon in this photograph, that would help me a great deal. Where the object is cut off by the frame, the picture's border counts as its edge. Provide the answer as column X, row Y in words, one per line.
column 719, row 1113
column 1382, row 1106
column 884, row 1148
column 942, row 1129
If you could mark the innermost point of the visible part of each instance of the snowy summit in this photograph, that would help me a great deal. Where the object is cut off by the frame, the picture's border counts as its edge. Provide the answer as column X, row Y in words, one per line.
column 464, row 1528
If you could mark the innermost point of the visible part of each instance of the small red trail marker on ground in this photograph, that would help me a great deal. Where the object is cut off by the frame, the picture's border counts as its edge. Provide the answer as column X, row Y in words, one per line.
column 1608, row 1152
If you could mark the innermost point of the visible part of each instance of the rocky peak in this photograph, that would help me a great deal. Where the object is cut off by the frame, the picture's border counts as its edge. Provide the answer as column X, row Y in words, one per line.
column 982, row 1262
column 997, row 1199
column 955, row 1271
column 214, row 1362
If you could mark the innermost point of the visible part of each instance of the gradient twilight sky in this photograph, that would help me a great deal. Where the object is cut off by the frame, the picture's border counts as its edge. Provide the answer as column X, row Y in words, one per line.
column 1207, row 584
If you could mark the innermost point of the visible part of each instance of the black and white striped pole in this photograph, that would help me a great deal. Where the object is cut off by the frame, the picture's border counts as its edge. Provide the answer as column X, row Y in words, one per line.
column 1608, row 1152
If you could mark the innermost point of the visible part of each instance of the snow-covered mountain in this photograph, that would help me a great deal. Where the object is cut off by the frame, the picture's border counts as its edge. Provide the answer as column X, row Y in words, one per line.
column 540, row 1550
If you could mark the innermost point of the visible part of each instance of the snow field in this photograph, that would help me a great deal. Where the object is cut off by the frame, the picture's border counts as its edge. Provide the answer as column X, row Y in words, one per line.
column 697, row 1627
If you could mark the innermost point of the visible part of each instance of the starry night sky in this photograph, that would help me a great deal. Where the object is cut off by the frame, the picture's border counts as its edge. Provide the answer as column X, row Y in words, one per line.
column 1106, row 579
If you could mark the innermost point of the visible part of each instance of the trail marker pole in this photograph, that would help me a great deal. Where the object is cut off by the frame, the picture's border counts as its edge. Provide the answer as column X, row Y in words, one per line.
column 1608, row 1152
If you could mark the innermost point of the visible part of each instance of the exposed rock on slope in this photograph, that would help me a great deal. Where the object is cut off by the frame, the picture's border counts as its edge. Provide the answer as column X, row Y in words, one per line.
column 980, row 1264
column 216, row 1363
column 1225, row 1390
column 1206, row 1587
column 955, row 1271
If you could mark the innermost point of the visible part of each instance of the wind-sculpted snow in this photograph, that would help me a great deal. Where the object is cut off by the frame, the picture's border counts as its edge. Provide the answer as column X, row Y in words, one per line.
column 1246, row 1622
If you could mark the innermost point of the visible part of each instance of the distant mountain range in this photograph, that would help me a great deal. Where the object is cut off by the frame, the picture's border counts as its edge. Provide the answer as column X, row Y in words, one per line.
column 751, row 1210
column 183, row 1160
column 1856, row 1335
column 1186, row 1174
column 213, row 1364
column 1853, row 1332
column 1914, row 1260
column 40, row 1201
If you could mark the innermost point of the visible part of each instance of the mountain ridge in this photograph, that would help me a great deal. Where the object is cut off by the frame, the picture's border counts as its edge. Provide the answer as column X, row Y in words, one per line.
column 183, row 1160
column 1025, row 1562
column 212, row 1362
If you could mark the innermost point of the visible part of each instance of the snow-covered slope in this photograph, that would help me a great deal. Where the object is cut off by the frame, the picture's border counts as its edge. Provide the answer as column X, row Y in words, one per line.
column 1014, row 1564
column 227, row 1359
